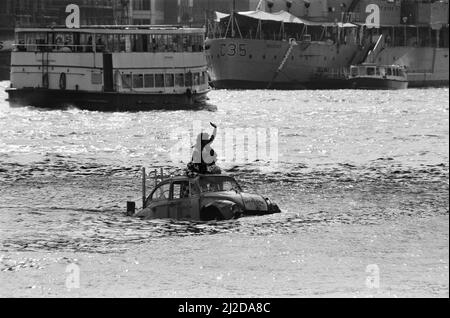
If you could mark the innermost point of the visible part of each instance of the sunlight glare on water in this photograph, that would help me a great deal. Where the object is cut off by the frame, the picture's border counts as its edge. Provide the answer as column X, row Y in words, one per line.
column 362, row 178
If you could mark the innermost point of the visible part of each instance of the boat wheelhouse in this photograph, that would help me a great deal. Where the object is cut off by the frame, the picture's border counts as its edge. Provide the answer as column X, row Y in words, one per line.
column 109, row 67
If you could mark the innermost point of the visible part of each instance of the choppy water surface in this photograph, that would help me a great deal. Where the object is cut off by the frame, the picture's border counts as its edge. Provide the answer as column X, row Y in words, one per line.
column 369, row 163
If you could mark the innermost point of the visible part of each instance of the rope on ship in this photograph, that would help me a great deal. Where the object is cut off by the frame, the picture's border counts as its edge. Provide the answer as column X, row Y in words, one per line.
column 292, row 44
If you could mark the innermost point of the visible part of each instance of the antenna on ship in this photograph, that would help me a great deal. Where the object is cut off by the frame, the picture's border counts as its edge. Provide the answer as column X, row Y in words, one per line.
column 232, row 18
column 258, row 7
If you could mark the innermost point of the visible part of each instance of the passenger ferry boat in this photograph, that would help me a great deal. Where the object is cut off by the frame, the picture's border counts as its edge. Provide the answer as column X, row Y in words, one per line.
column 109, row 67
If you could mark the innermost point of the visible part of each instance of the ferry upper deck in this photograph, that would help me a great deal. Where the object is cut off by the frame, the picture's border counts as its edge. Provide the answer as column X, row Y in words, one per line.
column 157, row 39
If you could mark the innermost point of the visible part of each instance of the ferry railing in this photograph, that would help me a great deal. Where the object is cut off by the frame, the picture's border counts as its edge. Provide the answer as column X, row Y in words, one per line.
column 69, row 48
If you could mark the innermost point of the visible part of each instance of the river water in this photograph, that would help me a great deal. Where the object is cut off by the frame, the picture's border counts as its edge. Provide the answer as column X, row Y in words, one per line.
column 361, row 178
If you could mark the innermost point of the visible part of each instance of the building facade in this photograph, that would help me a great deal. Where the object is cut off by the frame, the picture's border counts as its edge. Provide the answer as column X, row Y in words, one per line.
column 197, row 12
column 144, row 12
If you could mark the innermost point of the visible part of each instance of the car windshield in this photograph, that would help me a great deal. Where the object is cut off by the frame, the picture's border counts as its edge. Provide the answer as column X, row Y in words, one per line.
column 217, row 184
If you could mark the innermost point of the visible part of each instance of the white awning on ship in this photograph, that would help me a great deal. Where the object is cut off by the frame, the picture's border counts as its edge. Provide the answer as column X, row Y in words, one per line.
column 282, row 16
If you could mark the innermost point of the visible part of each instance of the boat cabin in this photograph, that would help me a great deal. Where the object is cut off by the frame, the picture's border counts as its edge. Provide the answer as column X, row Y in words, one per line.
column 373, row 70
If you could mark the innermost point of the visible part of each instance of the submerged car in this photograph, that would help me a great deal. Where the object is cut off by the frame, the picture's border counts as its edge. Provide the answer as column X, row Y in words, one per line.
column 203, row 198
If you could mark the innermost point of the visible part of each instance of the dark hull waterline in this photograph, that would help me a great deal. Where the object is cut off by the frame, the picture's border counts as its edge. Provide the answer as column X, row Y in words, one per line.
column 47, row 98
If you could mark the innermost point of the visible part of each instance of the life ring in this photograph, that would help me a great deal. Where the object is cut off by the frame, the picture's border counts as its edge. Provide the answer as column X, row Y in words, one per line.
column 62, row 81
column 45, row 80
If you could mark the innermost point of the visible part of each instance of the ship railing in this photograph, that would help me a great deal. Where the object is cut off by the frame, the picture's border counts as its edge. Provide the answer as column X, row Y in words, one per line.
column 99, row 48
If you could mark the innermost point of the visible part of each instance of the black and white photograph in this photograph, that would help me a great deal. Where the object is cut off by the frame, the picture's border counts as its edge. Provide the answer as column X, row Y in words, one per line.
column 224, row 154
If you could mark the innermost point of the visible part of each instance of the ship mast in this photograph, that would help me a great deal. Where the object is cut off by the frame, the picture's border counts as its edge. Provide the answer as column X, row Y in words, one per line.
column 232, row 18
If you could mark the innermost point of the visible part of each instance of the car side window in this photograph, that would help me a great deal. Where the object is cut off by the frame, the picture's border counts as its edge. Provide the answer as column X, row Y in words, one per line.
column 195, row 190
column 180, row 190
column 161, row 193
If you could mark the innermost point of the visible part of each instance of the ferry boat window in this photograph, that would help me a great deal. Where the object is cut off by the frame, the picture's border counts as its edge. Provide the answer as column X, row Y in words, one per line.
column 86, row 41
column 137, row 41
column 100, row 43
column 197, row 43
column 377, row 71
column 187, row 43
column 110, row 43
column 149, row 80
column 188, row 79
column 170, row 45
column 169, row 80
column 388, row 71
column 159, row 80
column 178, row 43
column 138, row 81
column 179, row 80
column 158, row 43
column 354, row 71
column 203, row 77
column 196, row 79
column 370, row 71
column 35, row 41
column 126, row 81
column 122, row 43
column 153, row 43
column 63, row 42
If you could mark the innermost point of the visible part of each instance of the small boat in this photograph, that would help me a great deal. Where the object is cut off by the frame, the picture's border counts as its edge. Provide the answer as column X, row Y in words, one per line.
column 372, row 76
column 110, row 68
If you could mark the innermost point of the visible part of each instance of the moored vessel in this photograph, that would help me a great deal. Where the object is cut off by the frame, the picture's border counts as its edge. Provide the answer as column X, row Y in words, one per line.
column 372, row 76
column 362, row 76
column 289, row 50
column 259, row 50
column 109, row 67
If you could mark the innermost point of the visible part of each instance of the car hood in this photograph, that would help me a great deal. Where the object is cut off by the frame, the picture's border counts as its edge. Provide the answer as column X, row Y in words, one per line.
column 249, row 202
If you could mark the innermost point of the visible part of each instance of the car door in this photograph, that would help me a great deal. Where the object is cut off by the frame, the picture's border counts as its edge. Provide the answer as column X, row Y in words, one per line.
column 180, row 203
column 159, row 201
